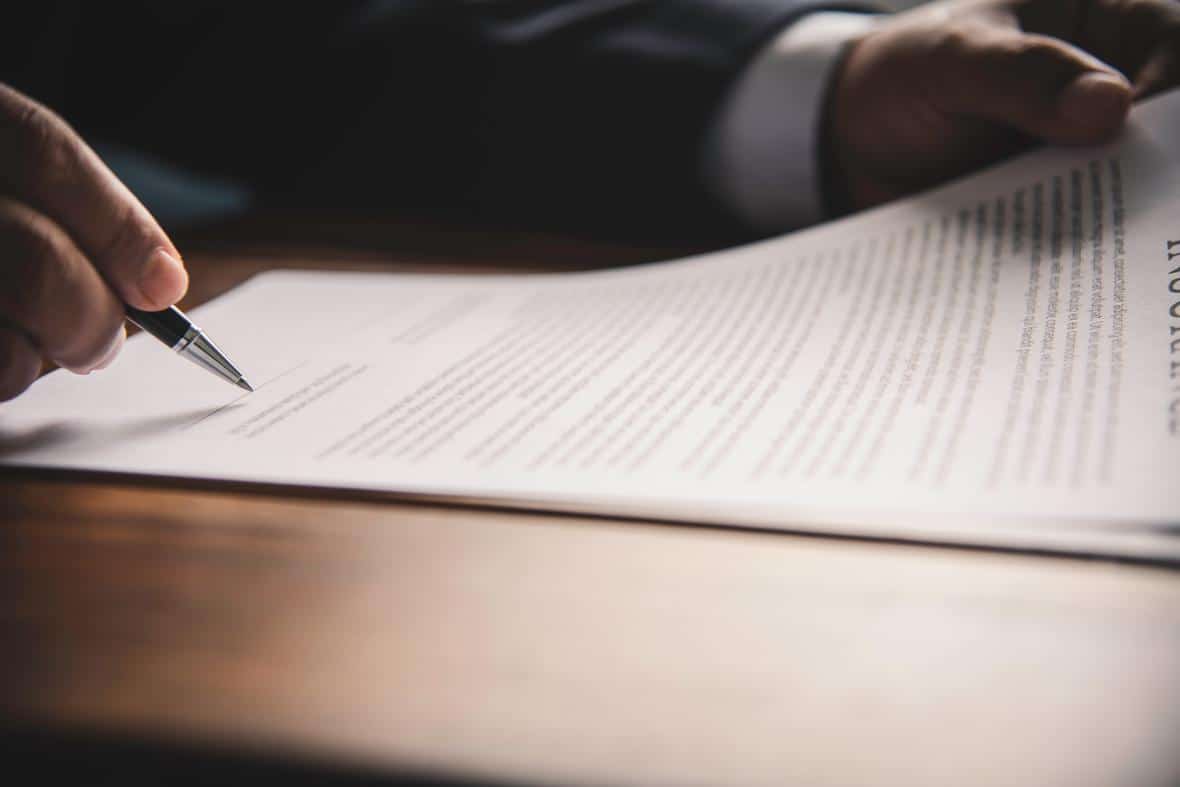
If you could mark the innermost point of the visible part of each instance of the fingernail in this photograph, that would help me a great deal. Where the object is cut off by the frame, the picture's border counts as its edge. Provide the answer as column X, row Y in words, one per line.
column 113, row 352
column 163, row 280
column 1096, row 100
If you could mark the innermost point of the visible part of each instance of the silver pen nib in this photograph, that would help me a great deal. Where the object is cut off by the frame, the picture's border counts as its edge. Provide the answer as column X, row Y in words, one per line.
column 200, row 349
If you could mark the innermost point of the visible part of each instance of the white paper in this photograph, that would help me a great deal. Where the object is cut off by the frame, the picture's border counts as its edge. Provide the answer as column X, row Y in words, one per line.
column 994, row 362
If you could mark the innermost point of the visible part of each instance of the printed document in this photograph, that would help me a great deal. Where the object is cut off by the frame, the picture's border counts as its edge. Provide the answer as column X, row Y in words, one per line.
column 996, row 362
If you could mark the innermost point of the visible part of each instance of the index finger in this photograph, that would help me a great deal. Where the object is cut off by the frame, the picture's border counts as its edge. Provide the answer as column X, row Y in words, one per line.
column 45, row 164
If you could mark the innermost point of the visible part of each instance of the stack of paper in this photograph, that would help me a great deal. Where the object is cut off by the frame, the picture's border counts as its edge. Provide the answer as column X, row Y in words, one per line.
column 996, row 362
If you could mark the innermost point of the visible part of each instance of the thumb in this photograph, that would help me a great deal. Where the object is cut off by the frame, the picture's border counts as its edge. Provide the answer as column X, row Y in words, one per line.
column 1036, row 84
column 46, row 165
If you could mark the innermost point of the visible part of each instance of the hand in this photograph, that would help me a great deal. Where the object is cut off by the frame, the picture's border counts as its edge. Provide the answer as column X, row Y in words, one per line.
column 75, row 245
column 948, row 87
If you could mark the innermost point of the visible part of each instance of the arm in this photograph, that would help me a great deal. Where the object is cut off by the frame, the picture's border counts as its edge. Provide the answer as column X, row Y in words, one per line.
column 599, row 109
column 559, row 111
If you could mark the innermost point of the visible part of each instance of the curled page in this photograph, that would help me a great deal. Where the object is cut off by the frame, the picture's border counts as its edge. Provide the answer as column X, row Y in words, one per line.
column 996, row 362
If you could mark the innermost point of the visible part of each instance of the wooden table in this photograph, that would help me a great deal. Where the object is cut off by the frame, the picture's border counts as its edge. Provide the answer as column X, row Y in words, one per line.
column 157, row 634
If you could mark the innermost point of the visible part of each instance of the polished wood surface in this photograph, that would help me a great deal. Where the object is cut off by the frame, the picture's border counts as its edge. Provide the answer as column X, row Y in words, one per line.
column 412, row 641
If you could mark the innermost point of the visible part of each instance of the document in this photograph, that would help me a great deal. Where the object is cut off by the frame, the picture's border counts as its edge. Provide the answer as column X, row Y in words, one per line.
column 994, row 363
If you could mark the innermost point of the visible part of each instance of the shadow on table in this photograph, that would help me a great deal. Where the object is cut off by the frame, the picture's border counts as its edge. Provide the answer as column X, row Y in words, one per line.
column 92, row 759
column 80, row 435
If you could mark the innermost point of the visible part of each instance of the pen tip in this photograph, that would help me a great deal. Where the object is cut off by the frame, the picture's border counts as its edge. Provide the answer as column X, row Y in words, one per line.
column 244, row 384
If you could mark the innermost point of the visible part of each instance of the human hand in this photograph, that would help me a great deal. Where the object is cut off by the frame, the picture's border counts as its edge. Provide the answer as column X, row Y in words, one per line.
column 75, row 246
column 954, row 85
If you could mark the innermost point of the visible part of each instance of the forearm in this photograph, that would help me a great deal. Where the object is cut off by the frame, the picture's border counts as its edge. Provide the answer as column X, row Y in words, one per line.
column 602, row 112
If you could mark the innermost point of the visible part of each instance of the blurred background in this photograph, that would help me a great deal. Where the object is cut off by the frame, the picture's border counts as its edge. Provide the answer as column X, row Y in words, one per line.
column 185, row 198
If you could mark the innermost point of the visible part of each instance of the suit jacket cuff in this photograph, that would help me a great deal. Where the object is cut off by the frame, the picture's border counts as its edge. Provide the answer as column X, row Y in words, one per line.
column 761, row 155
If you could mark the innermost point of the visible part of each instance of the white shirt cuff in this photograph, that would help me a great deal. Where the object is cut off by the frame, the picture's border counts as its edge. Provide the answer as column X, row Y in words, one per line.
column 762, row 152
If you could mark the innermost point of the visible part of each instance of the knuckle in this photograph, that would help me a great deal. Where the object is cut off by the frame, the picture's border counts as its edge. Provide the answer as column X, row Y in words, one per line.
column 1039, row 59
column 126, row 235
column 43, row 290
column 33, row 270
column 965, row 39
column 46, row 290
column 1033, row 50
column 48, row 145
column 87, row 348
column 953, row 41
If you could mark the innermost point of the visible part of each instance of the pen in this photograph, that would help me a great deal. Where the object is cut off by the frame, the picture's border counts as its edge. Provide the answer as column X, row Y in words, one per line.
column 178, row 332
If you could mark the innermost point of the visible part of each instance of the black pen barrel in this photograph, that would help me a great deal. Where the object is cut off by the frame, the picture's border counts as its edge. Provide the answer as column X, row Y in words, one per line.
column 169, row 325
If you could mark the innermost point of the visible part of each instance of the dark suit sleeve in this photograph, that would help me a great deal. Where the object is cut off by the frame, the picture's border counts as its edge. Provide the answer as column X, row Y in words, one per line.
column 600, row 109
column 587, row 111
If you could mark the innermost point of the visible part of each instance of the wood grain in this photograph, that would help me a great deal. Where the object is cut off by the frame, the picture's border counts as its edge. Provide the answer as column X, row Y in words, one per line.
column 525, row 648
